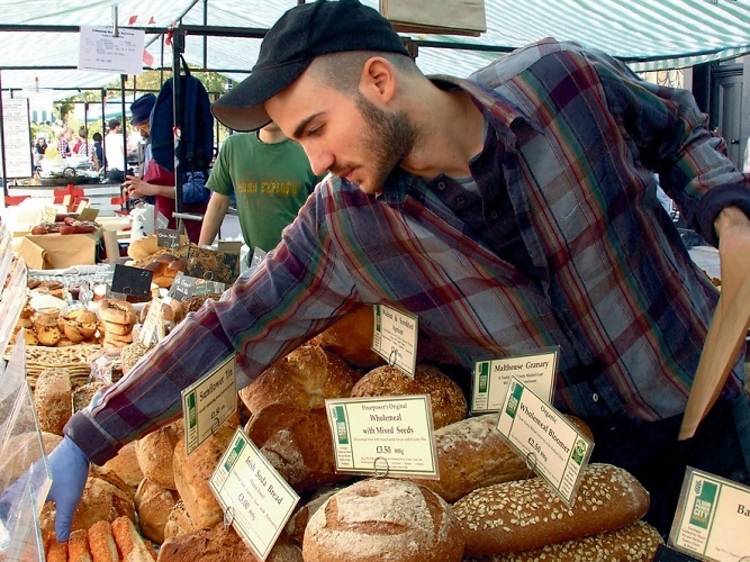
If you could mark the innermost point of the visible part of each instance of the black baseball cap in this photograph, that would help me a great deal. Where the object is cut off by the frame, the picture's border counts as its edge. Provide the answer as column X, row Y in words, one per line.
column 301, row 34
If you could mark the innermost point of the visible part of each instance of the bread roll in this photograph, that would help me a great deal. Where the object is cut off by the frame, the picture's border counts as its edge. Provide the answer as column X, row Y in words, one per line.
column 117, row 312
column 351, row 338
column 129, row 542
column 155, row 452
column 448, row 402
column 524, row 515
column 52, row 400
column 178, row 522
column 303, row 379
column 102, row 543
column 153, row 504
column 78, row 547
column 297, row 443
column 472, row 454
column 373, row 517
column 141, row 248
column 125, row 465
column 191, row 475
column 295, row 527
column 635, row 543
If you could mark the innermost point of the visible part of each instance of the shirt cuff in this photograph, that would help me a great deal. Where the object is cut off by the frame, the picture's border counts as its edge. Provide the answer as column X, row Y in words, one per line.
column 712, row 203
column 97, row 445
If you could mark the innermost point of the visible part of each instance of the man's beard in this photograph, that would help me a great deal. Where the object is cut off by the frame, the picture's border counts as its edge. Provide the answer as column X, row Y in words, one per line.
column 391, row 137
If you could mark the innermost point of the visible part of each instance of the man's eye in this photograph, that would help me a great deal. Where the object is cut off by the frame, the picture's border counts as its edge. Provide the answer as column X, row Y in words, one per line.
column 315, row 130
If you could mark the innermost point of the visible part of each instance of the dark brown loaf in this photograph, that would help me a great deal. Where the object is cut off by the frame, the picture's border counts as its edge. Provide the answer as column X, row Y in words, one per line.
column 303, row 379
column 635, row 543
column 473, row 454
column 527, row 514
column 373, row 517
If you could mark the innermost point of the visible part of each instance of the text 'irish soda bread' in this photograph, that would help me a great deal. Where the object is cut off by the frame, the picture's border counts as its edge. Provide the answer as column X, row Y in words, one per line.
column 383, row 520
column 448, row 402
column 527, row 514
column 635, row 543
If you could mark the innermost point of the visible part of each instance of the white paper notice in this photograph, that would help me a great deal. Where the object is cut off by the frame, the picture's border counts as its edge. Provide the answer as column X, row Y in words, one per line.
column 394, row 337
column 254, row 497
column 552, row 446
column 99, row 50
column 17, row 137
column 712, row 519
column 208, row 403
column 386, row 437
column 491, row 379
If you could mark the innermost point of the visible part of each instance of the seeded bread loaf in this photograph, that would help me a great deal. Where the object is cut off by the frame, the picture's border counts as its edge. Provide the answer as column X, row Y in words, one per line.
column 178, row 522
column 448, row 401
column 102, row 543
column 78, row 547
column 635, row 543
column 154, row 453
column 527, row 514
column 472, row 454
column 52, row 400
column 372, row 518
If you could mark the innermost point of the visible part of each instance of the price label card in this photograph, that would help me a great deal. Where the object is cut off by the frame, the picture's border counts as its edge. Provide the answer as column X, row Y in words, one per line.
column 88, row 214
column 230, row 247
column 385, row 437
column 552, row 446
column 167, row 238
column 208, row 403
column 185, row 286
column 131, row 281
column 99, row 49
column 394, row 337
column 49, row 214
column 712, row 517
column 491, row 379
column 153, row 329
column 253, row 495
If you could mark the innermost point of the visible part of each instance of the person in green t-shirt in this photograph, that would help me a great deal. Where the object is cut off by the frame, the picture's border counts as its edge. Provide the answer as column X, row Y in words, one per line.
column 270, row 178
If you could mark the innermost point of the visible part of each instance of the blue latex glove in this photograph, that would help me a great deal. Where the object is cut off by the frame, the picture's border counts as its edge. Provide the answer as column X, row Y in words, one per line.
column 69, row 468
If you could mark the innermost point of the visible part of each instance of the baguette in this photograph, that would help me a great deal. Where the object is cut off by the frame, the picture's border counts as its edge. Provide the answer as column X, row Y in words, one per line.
column 527, row 514
column 57, row 551
column 78, row 547
column 129, row 542
column 102, row 543
column 635, row 543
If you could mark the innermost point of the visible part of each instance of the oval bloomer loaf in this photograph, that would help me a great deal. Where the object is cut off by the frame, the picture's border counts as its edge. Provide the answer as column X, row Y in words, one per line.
column 527, row 514
column 383, row 519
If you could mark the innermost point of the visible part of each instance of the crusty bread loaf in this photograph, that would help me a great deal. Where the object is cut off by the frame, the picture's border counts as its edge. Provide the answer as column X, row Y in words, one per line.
column 83, row 394
column 155, row 451
column 153, row 504
column 297, row 443
column 635, row 543
column 218, row 544
column 125, row 465
column 295, row 527
column 448, row 402
column 101, row 501
column 472, row 454
column 102, row 543
column 303, row 379
column 527, row 514
column 373, row 517
column 191, row 475
column 178, row 522
column 52, row 400
column 129, row 542
column 78, row 547
column 351, row 338
column 57, row 552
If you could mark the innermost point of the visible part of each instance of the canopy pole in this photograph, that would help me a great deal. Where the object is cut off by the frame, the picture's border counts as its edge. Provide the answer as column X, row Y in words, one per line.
column 2, row 142
column 123, row 122
column 178, row 46
column 205, row 37
column 103, row 163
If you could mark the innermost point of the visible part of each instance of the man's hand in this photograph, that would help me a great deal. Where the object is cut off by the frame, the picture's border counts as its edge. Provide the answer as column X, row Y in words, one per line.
column 135, row 187
column 69, row 468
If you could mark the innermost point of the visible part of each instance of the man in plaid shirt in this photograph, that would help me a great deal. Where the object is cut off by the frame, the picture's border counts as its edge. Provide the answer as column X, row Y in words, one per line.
column 511, row 211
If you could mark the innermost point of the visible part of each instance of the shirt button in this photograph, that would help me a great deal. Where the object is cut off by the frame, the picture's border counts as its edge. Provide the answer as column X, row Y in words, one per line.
column 595, row 397
column 494, row 215
column 441, row 185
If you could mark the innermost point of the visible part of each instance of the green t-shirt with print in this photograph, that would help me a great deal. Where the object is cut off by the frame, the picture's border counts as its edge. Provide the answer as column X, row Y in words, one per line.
column 270, row 182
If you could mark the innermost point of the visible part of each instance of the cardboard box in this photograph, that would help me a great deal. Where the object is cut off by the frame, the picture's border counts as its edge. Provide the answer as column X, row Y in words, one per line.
column 57, row 251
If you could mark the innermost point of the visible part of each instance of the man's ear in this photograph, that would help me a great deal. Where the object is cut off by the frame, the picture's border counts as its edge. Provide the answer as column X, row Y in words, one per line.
column 377, row 81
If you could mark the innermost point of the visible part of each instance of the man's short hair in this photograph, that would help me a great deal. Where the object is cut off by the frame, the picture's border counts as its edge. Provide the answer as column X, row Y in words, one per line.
column 112, row 124
column 342, row 70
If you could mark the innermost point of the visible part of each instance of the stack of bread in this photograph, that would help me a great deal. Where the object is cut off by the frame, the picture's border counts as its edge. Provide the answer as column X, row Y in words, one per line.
column 118, row 318
column 52, row 328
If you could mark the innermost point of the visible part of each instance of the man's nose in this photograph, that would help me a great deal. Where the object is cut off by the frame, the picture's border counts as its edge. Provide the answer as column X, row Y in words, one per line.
column 320, row 160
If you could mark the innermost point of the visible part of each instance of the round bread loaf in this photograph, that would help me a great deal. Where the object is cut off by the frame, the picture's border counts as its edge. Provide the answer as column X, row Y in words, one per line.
column 373, row 517
column 295, row 527
column 178, row 522
column 635, row 543
column 155, row 452
column 52, row 400
column 448, row 402
column 117, row 312
column 351, row 338
column 527, row 514
column 303, row 379
column 125, row 465
column 132, row 354
column 153, row 504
